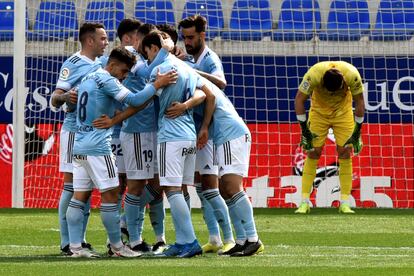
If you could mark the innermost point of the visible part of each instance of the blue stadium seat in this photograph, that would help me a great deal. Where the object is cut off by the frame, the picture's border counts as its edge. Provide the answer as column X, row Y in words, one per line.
column 6, row 20
column 347, row 20
column 109, row 13
column 395, row 20
column 211, row 10
column 55, row 21
column 249, row 20
column 155, row 12
column 298, row 20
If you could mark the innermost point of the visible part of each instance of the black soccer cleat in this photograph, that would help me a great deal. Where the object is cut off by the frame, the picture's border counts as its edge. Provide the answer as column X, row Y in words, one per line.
column 65, row 251
column 142, row 247
column 234, row 249
column 250, row 248
column 158, row 246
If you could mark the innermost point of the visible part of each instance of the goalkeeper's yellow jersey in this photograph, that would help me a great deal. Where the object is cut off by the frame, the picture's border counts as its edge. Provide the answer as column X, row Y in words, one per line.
column 324, row 102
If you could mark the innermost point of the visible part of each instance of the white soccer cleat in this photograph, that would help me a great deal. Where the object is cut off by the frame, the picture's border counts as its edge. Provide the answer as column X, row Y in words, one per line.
column 124, row 252
column 84, row 253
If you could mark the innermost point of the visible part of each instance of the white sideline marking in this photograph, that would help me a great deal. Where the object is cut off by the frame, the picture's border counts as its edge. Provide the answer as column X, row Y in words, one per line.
column 344, row 247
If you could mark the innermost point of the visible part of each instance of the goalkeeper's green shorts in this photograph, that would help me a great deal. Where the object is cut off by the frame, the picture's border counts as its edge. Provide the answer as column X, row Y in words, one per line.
column 342, row 126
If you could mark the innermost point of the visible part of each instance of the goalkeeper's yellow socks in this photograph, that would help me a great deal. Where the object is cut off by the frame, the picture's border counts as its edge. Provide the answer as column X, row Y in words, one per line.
column 345, row 178
column 308, row 176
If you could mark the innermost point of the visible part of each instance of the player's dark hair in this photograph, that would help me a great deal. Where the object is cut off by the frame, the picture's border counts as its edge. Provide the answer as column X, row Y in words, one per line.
column 197, row 21
column 153, row 38
column 122, row 55
column 333, row 79
column 88, row 28
column 170, row 30
column 146, row 28
column 127, row 25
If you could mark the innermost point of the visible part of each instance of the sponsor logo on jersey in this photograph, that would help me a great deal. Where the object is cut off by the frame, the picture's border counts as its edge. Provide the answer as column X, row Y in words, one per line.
column 187, row 151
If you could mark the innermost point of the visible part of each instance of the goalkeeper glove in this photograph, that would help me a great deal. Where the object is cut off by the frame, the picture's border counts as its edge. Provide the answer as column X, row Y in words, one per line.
column 355, row 139
column 307, row 136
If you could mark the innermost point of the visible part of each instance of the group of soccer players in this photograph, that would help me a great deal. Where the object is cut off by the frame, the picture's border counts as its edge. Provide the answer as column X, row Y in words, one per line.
column 139, row 123
column 151, row 118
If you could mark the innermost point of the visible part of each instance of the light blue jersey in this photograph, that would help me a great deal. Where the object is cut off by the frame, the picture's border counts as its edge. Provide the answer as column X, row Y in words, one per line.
column 145, row 120
column 227, row 124
column 210, row 63
column 181, row 128
column 116, row 130
column 96, row 96
column 207, row 62
column 71, row 73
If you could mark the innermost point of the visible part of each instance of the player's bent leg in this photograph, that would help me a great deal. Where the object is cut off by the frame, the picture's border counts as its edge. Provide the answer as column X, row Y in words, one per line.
column 214, row 241
column 308, row 176
column 75, row 216
column 345, row 179
column 221, row 213
column 243, row 211
column 110, row 219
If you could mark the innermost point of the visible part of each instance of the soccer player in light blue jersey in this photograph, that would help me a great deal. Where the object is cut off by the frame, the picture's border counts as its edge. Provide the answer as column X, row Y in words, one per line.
column 178, row 136
column 94, row 163
column 204, row 60
column 208, row 64
column 93, row 41
column 232, row 138
column 176, row 147
column 138, row 140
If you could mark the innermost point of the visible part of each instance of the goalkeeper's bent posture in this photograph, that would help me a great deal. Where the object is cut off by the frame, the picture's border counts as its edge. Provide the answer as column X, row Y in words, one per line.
column 332, row 85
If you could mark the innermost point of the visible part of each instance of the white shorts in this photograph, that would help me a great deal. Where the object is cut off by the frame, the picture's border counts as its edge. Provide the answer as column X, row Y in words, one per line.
column 206, row 159
column 139, row 154
column 67, row 139
column 119, row 157
column 98, row 171
column 176, row 163
column 234, row 156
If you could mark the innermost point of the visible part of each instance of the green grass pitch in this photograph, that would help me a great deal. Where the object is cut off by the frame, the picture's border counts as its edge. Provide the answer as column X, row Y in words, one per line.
column 371, row 242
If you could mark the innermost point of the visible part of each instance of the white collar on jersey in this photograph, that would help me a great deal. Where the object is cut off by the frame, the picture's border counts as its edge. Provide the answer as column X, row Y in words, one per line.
column 200, row 58
column 85, row 58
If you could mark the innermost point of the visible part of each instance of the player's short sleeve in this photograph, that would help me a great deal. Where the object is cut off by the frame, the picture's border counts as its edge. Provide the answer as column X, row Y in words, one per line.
column 215, row 67
column 308, row 83
column 67, row 76
column 113, row 88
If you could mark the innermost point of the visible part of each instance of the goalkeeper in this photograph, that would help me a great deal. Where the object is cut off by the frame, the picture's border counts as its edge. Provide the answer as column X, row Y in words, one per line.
column 332, row 86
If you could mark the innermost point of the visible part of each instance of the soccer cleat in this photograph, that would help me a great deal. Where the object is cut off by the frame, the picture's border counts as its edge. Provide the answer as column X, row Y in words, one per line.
column 172, row 251
column 65, row 251
column 226, row 247
column 158, row 247
column 83, row 253
column 211, row 248
column 124, row 251
column 190, row 250
column 250, row 248
column 344, row 208
column 236, row 248
column 142, row 247
column 304, row 208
